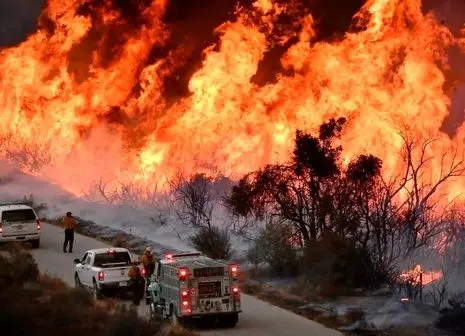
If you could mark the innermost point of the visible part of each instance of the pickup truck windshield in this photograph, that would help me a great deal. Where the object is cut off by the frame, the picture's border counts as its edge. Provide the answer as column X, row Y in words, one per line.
column 112, row 259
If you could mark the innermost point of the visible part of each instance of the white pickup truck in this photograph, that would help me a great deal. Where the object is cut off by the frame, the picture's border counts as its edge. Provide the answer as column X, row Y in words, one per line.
column 104, row 270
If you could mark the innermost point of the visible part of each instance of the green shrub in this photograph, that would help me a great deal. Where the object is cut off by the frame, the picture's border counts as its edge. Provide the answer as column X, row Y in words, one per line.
column 334, row 262
column 213, row 242
column 273, row 246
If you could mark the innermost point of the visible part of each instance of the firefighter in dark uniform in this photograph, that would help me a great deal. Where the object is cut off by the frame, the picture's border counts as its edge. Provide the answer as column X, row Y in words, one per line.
column 137, row 283
column 70, row 225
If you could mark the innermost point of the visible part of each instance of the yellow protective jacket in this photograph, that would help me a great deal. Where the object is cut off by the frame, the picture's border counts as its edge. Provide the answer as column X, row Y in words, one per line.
column 147, row 259
column 69, row 223
column 134, row 272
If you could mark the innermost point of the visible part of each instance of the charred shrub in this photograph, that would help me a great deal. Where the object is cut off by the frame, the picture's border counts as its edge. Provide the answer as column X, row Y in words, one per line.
column 457, row 300
column 336, row 262
column 452, row 320
column 274, row 247
column 213, row 242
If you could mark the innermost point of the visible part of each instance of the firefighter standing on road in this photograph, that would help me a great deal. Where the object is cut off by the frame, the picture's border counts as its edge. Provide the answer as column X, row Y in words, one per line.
column 70, row 224
column 137, row 283
column 148, row 261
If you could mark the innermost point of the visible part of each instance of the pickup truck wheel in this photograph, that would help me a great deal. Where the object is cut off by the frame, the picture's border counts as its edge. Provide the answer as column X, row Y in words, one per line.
column 77, row 281
column 96, row 292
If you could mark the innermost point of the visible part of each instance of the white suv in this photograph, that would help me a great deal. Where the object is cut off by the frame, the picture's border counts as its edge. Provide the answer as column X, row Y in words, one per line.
column 19, row 223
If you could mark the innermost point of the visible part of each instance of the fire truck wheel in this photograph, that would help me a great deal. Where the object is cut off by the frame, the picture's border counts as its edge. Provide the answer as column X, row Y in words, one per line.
column 174, row 320
column 96, row 292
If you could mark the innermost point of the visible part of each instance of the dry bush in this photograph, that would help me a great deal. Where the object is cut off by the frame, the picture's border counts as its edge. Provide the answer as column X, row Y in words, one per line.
column 251, row 288
column 439, row 292
column 354, row 315
column 274, row 248
column 38, row 207
column 452, row 320
column 213, row 242
column 51, row 283
column 126, row 322
column 175, row 331
column 120, row 241
column 23, row 153
column 306, row 290
column 457, row 300
column 406, row 331
column 335, row 263
column 330, row 321
column 17, row 267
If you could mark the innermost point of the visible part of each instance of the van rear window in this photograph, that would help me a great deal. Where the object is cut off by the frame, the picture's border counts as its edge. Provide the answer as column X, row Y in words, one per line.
column 20, row 215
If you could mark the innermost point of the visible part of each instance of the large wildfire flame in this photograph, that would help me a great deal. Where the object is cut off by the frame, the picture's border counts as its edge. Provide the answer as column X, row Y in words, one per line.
column 86, row 89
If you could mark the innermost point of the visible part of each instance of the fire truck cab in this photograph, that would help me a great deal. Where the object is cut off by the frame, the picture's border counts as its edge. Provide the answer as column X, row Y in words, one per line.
column 192, row 286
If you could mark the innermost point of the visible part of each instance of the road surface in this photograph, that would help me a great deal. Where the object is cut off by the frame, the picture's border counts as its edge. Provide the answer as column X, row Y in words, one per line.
column 258, row 318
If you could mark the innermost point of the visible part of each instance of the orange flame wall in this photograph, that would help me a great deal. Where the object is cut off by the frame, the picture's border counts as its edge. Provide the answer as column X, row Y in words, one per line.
column 85, row 88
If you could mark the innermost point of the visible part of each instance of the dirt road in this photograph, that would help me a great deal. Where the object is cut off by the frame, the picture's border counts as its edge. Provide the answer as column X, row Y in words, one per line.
column 258, row 318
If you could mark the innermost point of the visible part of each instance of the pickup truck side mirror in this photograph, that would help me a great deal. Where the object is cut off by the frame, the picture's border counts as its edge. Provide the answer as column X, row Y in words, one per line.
column 77, row 261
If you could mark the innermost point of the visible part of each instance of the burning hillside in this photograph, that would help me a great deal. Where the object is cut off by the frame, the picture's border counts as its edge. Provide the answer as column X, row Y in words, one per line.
column 102, row 91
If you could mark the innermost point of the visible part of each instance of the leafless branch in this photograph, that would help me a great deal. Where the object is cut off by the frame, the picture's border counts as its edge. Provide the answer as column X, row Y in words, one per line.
column 194, row 199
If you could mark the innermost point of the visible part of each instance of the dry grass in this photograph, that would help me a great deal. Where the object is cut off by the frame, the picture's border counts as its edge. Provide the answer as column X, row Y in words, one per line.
column 274, row 296
column 120, row 241
column 299, row 296
column 306, row 290
column 176, row 331
column 406, row 331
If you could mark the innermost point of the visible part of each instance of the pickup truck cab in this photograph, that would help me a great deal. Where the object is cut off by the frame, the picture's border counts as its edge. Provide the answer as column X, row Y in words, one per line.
column 189, row 285
column 104, row 270
column 19, row 223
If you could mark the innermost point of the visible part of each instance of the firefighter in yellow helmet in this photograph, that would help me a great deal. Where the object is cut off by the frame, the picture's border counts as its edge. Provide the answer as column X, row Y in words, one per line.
column 137, row 283
column 148, row 261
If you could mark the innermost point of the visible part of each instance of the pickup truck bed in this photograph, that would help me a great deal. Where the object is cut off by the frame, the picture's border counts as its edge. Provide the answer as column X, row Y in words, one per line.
column 104, row 269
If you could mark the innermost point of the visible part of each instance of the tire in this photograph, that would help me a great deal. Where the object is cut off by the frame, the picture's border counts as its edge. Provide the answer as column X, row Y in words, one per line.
column 97, row 293
column 148, row 299
column 35, row 244
column 173, row 318
column 230, row 321
column 77, row 281
column 155, row 313
column 152, row 310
